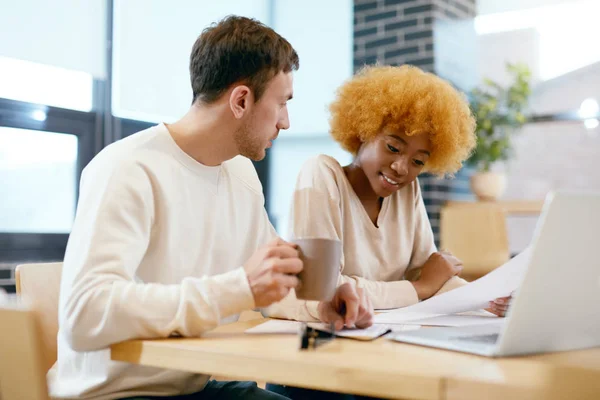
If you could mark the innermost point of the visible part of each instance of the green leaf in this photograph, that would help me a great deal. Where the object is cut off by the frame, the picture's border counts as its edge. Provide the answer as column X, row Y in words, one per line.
column 499, row 111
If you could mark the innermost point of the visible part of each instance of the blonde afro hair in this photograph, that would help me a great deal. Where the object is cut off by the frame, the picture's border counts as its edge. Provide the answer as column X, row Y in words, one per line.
column 409, row 100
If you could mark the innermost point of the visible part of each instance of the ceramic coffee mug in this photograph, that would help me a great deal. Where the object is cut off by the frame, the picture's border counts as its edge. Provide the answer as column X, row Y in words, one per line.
column 321, row 258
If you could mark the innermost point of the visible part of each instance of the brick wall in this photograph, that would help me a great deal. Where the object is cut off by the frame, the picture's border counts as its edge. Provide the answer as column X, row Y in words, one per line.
column 396, row 32
column 393, row 32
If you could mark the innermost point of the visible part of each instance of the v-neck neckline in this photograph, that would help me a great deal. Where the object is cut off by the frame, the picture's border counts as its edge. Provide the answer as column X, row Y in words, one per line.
column 363, row 212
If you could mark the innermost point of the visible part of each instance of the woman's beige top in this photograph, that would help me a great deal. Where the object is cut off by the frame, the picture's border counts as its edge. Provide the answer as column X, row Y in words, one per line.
column 376, row 258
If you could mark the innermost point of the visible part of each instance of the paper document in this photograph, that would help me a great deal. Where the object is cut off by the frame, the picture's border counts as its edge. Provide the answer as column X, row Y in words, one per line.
column 476, row 295
column 293, row 327
column 404, row 328
column 456, row 320
column 277, row 326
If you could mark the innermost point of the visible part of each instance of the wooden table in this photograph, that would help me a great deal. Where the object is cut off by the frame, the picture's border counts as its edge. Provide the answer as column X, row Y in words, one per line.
column 380, row 368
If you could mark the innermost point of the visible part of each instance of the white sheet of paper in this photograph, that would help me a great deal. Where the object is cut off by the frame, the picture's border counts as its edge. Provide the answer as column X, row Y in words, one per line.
column 480, row 317
column 404, row 328
column 292, row 327
column 476, row 295
column 276, row 326
column 455, row 320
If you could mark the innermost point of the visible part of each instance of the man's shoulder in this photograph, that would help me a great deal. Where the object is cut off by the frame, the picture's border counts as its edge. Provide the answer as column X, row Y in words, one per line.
column 243, row 170
column 128, row 153
column 134, row 145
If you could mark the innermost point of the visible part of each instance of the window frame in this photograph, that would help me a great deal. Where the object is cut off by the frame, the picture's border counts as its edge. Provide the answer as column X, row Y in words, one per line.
column 17, row 246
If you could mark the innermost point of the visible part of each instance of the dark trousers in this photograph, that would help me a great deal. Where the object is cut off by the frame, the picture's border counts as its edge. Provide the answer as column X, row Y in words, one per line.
column 223, row 390
column 296, row 393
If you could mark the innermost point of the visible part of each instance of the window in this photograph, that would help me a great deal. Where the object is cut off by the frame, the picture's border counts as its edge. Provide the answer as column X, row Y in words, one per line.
column 42, row 153
column 44, row 84
column 38, row 171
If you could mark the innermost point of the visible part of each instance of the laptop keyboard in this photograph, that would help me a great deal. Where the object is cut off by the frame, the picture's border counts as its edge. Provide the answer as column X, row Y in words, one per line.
column 491, row 338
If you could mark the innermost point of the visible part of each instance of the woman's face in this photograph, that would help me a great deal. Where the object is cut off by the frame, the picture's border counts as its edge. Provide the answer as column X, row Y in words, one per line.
column 393, row 160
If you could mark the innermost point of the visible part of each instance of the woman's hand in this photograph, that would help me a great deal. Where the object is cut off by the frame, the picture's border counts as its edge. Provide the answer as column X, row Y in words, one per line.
column 500, row 306
column 436, row 271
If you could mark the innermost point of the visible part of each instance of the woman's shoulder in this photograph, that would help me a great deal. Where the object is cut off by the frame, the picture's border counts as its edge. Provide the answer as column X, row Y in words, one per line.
column 322, row 164
column 323, row 172
column 322, row 167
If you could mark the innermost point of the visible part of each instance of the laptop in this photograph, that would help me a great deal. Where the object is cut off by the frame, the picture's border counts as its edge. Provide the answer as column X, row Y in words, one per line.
column 557, row 306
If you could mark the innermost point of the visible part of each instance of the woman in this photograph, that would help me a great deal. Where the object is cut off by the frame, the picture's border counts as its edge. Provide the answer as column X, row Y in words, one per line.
column 398, row 122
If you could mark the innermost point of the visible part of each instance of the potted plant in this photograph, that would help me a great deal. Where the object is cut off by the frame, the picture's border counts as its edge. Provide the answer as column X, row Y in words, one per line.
column 499, row 112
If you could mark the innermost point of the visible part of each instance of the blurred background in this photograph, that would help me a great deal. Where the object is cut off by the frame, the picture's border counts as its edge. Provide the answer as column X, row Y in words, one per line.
column 77, row 75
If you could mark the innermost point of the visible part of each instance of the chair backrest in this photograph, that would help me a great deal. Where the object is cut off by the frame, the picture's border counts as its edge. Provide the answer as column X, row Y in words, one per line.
column 22, row 370
column 39, row 285
column 475, row 233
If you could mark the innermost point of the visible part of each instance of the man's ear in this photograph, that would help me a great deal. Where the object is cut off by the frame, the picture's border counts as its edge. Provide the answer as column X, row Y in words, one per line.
column 240, row 100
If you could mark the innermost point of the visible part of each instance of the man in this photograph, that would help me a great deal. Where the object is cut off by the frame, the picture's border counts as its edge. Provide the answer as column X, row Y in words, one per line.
column 171, row 235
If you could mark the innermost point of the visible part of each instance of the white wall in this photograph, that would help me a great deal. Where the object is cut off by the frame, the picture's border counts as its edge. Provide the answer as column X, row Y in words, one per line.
column 494, row 50
column 567, row 92
column 566, row 28
column 455, row 52
column 152, row 44
column 498, row 6
column 322, row 34
column 558, row 155
column 550, row 156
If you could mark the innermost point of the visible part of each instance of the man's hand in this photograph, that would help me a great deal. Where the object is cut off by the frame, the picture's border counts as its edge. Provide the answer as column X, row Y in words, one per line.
column 436, row 271
column 350, row 307
column 271, row 272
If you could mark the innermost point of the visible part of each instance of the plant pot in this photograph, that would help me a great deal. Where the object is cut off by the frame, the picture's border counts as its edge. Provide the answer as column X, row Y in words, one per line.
column 488, row 186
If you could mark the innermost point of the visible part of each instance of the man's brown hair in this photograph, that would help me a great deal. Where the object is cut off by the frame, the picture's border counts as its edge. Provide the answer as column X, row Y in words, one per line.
column 238, row 49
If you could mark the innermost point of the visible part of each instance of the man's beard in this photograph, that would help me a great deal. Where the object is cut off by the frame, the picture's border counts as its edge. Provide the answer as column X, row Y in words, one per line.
column 248, row 143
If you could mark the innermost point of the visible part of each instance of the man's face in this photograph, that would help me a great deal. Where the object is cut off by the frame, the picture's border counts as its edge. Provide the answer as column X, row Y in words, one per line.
column 266, row 118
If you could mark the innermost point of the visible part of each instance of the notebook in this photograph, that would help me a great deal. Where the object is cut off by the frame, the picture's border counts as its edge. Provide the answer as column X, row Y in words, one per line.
column 276, row 326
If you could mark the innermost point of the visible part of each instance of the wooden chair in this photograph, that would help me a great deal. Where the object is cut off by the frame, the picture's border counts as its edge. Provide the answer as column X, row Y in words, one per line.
column 22, row 368
column 475, row 233
column 38, row 285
